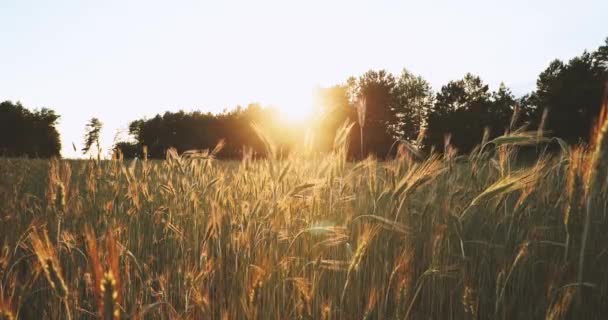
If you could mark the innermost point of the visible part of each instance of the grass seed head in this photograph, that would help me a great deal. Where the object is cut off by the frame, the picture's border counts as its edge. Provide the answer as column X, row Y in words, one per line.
column 47, row 257
column 109, row 291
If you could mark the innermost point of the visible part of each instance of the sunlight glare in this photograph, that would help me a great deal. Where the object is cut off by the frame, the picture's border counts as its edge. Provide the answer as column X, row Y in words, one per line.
column 295, row 114
column 296, row 107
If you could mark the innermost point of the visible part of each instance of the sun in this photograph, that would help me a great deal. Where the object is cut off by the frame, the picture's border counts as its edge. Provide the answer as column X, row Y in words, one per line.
column 296, row 114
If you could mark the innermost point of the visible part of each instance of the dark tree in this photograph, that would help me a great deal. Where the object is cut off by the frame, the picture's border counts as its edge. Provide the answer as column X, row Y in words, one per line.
column 28, row 133
column 91, row 136
column 199, row 131
column 386, row 109
column 572, row 93
column 502, row 109
column 335, row 109
column 377, row 90
column 463, row 110
column 414, row 99
column 129, row 150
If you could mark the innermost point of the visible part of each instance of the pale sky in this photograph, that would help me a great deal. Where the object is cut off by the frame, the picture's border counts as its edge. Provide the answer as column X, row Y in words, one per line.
column 123, row 60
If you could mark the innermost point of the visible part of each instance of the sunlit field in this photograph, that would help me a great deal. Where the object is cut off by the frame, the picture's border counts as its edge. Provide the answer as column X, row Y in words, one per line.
column 479, row 236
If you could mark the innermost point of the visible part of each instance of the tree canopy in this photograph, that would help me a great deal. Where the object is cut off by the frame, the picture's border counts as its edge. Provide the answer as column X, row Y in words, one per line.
column 197, row 131
column 572, row 94
column 91, row 137
column 28, row 133
column 463, row 110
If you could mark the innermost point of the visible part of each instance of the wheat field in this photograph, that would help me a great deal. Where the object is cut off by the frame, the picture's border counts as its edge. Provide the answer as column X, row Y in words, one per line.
column 481, row 236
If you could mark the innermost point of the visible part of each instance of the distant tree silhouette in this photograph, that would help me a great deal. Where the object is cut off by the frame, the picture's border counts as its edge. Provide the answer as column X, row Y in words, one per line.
column 129, row 150
column 335, row 109
column 91, row 136
column 463, row 109
column 377, row 89
column 414, row 99
column 572, row 93
column 28, row 133
column 198, row 131
column 396, row 108
column 503, row 108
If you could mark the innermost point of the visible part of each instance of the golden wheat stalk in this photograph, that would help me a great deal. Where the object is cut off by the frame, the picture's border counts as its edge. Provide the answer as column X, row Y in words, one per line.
column 6, row 310
column 106, row 284
column 595, row 185
column 361, row 106
column 47, row 258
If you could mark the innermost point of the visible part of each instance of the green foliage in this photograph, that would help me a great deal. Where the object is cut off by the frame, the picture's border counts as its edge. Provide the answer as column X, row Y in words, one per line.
column 414, row 100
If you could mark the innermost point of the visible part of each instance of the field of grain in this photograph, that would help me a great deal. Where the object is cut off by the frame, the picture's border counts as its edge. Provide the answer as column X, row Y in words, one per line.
column 481, row 236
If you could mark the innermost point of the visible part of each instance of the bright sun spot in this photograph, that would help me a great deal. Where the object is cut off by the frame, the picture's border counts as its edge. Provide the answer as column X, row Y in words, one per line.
column 296, row 114
column 296, row 107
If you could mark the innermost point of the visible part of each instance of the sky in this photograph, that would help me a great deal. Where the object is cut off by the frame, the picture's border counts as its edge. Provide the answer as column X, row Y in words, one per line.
column 124, row 60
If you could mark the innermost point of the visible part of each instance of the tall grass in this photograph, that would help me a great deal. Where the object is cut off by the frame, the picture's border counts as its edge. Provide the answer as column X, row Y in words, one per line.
column 479, row 237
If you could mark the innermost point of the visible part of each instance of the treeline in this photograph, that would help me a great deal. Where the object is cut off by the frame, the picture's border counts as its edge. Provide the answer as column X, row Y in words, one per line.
column 199, row 131
column 28, row 133
column 385, row 108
